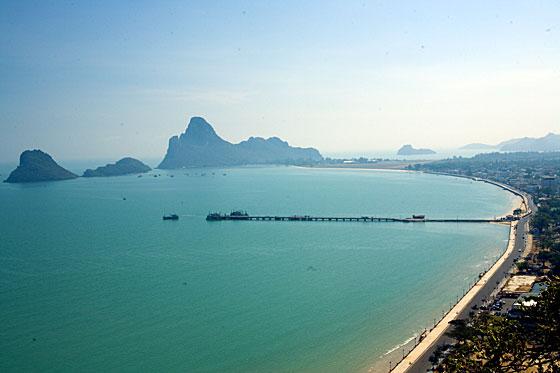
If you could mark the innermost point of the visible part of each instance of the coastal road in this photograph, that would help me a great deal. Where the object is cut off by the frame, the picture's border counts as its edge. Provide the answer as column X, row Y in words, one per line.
column 422, row 364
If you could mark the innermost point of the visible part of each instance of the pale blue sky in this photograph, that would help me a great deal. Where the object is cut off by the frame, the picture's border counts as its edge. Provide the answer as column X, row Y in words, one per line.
column 105, row 80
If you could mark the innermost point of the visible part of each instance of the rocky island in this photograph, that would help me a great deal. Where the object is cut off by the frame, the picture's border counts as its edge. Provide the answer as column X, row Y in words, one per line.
column 410, row 150
column 200, row 146
column 36, row 165
column 125, row 166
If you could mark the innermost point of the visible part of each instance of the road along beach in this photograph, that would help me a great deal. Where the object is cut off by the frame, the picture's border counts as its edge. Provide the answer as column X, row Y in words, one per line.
column 417, row 359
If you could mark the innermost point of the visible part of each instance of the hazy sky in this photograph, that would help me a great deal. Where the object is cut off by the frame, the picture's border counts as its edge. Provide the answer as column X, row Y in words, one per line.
column 104, row 80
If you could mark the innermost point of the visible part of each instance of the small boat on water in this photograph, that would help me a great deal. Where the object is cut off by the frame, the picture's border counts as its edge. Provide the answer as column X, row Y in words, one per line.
column 171, row 217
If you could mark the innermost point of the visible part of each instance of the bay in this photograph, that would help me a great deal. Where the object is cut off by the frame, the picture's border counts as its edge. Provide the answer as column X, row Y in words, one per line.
column 92, row 279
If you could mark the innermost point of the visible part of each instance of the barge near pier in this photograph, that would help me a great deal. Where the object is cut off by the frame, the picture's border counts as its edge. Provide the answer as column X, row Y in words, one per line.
column 243, row 216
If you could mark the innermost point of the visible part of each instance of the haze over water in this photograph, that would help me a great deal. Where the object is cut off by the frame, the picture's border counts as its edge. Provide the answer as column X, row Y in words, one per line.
column 103, row 284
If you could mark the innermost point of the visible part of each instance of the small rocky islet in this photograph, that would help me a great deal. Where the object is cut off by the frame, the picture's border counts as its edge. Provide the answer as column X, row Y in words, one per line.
column 125, row 166
column 35, row 166
column 410, row 150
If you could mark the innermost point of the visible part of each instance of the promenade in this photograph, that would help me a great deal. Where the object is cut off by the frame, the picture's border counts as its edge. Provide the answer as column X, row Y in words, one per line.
column 417, row 360
column 442, row 326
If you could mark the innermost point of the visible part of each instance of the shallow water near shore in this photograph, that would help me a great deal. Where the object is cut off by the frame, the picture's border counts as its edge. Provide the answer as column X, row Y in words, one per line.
column 92, row 279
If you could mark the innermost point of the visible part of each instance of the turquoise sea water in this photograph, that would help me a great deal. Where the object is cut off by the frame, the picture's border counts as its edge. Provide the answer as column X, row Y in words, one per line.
column 90, row 281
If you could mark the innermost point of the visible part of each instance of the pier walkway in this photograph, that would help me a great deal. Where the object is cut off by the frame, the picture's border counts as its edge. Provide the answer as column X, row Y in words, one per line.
column 365, row 219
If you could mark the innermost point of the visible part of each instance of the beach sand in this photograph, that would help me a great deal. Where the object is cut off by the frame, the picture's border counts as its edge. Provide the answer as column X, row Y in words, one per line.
column 442, row 325
column 440, row 328
column 419, row 350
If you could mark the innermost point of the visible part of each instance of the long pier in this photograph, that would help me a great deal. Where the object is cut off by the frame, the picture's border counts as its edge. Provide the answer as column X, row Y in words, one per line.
column 365, row 219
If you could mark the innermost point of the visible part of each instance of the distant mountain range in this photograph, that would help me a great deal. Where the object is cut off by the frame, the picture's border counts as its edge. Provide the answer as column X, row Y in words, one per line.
column 548, row 143
column 410, row 150
column 200, row 146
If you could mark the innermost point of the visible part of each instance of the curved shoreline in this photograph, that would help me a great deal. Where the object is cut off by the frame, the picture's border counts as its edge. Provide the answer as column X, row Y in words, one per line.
column 508, row 188
column 502, row 186
column 417, row 354
column 419, row 350
column 440, row 328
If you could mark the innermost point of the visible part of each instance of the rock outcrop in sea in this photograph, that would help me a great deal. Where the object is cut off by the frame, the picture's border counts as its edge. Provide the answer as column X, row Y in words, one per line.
column 125, row 166
column 410, row 150
column 36, row 165
column 200, row 146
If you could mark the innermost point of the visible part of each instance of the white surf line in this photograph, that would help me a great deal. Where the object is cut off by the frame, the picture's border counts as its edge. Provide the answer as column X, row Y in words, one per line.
column 442, row 325
column 401, row 345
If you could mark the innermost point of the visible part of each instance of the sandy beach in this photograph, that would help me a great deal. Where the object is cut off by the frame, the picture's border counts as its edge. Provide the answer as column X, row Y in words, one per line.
column 440, row 328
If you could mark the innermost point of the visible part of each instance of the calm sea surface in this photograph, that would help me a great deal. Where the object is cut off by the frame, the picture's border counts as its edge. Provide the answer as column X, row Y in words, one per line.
column 90, row 281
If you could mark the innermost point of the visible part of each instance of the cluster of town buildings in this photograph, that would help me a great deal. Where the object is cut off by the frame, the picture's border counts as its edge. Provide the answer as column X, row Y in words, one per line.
column 535, row 182
column 535, row 173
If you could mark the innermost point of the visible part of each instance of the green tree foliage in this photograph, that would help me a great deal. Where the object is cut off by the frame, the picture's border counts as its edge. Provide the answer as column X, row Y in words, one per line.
column 490, row 343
